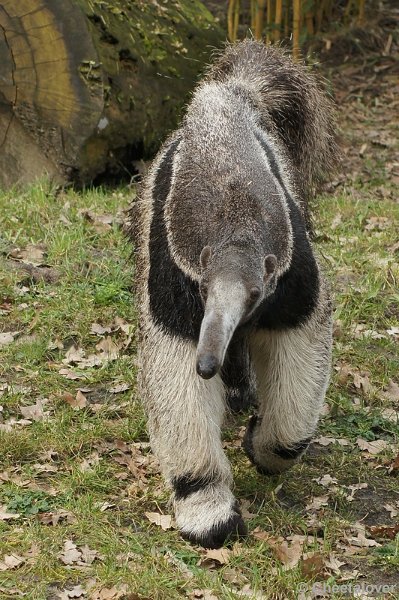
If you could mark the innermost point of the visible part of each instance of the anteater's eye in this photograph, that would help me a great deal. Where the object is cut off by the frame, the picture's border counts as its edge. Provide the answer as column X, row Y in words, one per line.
column 204, row 292
column 254, row 294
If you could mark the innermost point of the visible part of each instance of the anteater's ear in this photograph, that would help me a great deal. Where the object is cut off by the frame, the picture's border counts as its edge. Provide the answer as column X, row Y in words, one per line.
column 205, row 256
column 270, row 265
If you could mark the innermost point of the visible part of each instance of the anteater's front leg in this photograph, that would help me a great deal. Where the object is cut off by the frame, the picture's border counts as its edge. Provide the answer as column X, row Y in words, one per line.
column 185, row 414
column 292, row 369
column 237, row 375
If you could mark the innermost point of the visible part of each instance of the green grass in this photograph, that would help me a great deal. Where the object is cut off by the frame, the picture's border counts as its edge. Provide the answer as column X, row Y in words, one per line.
column 83, row 446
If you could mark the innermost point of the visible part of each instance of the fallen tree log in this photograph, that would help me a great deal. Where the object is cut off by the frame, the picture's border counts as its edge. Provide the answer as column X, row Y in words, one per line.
column 88, row 86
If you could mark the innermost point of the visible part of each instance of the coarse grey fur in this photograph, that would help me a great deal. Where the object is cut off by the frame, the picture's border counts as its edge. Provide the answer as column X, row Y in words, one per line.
column 224, row 262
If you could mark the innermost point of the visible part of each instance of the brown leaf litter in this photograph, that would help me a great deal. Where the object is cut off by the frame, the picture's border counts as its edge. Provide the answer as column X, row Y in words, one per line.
column 78, row 557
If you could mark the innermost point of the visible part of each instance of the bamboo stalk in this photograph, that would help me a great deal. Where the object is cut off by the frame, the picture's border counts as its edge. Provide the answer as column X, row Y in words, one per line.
column 254, row 4
column 287, row 19
column 259, row 19
column 319, row 15
column 361, row 11
column 296, row 25
column 269, row 19
column 230, row 19
column 236, row 19
column 348, row 8
column 278, row 19
column 233, row 14
column 309, row 22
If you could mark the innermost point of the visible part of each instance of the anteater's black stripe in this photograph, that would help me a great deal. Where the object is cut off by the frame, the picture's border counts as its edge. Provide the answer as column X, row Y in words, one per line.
column 268, row 150
column 224, row 532
column 293, row 452
column 174, row 298
column 186, row 485
column 298, row 289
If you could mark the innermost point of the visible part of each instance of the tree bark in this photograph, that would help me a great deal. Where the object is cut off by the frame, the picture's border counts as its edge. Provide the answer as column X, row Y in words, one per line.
column 88, row 86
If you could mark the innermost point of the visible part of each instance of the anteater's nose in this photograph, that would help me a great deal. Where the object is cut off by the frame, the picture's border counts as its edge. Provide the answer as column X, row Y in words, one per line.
column 207, row 366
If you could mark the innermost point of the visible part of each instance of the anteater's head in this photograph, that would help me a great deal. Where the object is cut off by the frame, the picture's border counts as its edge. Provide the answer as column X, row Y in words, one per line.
column 234, row 281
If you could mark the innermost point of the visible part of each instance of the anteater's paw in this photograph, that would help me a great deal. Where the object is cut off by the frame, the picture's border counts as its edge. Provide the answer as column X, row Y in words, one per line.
column 240, row 399
column 218, row 534
column 270, row 461
column 210, row 517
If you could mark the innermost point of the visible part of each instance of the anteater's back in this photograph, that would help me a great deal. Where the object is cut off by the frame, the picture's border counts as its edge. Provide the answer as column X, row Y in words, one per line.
column 290, row 99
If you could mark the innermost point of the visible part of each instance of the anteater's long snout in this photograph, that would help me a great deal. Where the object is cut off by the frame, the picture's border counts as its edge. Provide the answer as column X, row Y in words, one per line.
column 218, row 326
column 207, row 365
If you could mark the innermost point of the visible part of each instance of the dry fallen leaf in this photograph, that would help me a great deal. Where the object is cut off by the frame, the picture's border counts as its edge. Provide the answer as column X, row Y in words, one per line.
column 163, row 521
column 326, row 480
column 247, row 591
column 45, row 468
column 394, row 248
column 35, row 412
column 337, row 220
column 326, row 441
column 120, row 387
column 234, row 576
column 98, row 329
column 108, row 347
column 221, row 556
column 76, row 402
column 73, row 355
column 7, row 337
column 117, row 591
column 393, row 512
column 57, row 344
column 87, row 464
column 8, row 592
column 384, row 531
column 246, row 514
column 101, row 223
column 289, row 555
column 10, row 423
column 108, row 351
column 362, row 382
column 70, row 554
column 260, row 534
column 390, row 414
column 317, row 503
column 392, row 392
column 70, row 374
column 360, row 541
column 103, row 506
column 333, row 564
column 312, row 564
column 76, row 592
column 374, row 447
column 360, row 331
column 357, row 486
column 203, row 595
column 6, row 516
column 343, row 373
column 33, row 254
column 11, row 561
column 123, row 325
column 81, row 557
column 53, row 518
column 114, row 593
column 377, row 223
column 88, row 556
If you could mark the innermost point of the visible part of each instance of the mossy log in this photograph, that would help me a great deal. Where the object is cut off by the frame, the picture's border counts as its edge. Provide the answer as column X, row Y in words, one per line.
column 88, row 86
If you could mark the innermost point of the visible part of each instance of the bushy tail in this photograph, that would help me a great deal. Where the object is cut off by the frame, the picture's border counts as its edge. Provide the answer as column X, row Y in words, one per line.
column 290, row 99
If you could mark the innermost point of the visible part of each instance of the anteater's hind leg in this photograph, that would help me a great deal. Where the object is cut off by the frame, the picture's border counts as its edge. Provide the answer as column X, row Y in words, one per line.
column 185, row 416
column 292, row 369
column 237, row 375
